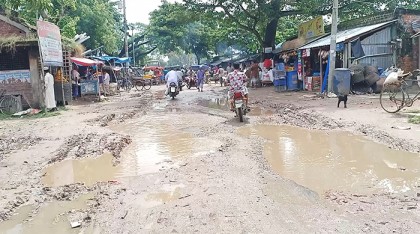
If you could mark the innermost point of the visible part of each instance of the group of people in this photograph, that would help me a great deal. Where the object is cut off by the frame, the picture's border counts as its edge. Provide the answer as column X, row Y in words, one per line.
column 103, row 76
column 237, row 79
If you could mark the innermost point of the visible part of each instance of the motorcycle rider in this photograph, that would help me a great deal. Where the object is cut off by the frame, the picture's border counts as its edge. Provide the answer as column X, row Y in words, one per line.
column 237, row 83
column 172, row 77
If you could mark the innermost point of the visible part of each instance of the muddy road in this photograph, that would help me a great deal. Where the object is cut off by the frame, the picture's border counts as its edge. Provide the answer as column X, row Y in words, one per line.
column 141, row 163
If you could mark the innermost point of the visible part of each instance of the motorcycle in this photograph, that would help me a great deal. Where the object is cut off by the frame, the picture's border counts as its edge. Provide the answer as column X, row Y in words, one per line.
column 191, row 82
column 239, row 103
column 180, row 85
column 173, row 90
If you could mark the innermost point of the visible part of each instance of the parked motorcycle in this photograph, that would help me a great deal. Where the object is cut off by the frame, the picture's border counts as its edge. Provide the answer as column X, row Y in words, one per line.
column 239, row 103
column 173, row 90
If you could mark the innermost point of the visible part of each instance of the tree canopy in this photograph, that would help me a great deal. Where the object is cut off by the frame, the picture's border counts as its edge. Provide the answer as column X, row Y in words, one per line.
column 100, row 19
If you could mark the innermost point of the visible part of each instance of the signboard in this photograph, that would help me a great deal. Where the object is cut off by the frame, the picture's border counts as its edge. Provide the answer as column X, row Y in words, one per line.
column 299, row 67
column 312, row 28
column 16, row 76
column 50, row 43
column 268, row 50
column 89, row 87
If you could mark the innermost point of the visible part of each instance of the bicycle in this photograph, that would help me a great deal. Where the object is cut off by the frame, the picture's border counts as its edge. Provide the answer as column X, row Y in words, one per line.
column 394, row 96
column 9, row 103
column 142, row 84
column 125, row 84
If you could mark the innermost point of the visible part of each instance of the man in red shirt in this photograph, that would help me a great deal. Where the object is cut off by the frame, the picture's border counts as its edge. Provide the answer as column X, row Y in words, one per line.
column 237, row 82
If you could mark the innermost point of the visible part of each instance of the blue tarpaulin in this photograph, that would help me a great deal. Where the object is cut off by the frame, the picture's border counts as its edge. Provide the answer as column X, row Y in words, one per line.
column 116, row 59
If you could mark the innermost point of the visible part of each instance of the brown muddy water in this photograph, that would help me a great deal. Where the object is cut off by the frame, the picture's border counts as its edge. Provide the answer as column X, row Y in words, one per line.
column 223, row 104
column 87, row 170
column 52, row 218
column 323, row 161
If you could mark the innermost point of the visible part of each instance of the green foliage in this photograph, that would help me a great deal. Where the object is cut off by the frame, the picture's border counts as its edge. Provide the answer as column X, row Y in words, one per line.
column 100, row 19
column 414, row 119
column 174, row 28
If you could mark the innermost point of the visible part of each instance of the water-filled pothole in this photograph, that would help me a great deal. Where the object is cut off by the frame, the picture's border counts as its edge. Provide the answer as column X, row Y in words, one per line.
column 86, row 170
column 52, row 218
column 336, row 160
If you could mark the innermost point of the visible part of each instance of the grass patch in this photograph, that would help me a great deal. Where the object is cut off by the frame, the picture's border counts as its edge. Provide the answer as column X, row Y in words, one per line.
column 413, row 111
column 414, row 119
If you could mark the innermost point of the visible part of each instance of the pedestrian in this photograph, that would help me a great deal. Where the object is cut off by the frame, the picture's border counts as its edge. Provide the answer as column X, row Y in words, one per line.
column 200, row 79
column 254, row 73
column 75, row 77
column 105, row 85
column 50, row 103
column 229, row 68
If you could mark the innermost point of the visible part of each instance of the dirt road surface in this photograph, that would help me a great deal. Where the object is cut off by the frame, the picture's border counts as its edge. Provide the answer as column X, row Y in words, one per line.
column 141, row 163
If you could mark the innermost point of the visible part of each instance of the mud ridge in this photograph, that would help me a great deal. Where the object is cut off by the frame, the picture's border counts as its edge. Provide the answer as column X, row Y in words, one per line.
column 297, row 116
column 92, row 144
column 392, row 142
column 9, row 144
column 105, row 120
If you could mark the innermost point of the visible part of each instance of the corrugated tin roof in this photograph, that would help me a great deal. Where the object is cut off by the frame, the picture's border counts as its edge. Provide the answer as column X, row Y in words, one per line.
column 345, row 35
column 416, row 35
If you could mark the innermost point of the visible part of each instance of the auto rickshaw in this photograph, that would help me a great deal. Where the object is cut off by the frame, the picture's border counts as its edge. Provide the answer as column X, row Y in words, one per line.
column 154, row 73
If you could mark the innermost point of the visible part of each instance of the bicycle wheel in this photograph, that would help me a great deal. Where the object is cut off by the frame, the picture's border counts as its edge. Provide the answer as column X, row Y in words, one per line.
column 139, row 85
column 128, row 85
column 392, row 98
column 10, row 104
column 147, row 84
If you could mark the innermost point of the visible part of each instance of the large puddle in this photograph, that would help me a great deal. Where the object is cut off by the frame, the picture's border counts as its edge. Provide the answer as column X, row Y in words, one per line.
column 51, row 218
column 223, row 104
column 158, row 143
column 335, row 160
column 87, row 170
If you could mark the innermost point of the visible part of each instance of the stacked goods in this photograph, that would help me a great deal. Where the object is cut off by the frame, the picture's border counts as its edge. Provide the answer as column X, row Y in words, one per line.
column 365, row 78
column 371, row 75
column 59, row 76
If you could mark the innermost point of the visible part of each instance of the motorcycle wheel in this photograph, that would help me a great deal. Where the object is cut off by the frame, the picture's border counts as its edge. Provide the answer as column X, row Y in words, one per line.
column 240, row 115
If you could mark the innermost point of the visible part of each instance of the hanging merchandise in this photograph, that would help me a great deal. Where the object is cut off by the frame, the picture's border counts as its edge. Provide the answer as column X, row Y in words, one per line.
column 299, row 66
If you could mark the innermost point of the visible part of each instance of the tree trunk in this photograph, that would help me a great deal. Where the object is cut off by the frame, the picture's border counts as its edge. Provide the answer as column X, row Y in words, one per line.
column 270, row 37
column 198, row 58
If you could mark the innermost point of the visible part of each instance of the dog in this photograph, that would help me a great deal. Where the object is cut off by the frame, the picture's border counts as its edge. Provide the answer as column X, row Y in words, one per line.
column 342, row 98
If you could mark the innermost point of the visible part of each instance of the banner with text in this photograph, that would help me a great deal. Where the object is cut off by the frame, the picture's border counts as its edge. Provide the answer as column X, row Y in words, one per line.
column 50, row 42
column 15, row 76
column 312, row 28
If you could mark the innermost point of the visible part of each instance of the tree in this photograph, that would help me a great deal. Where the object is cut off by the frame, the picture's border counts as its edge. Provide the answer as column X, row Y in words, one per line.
column 174, row 28
column 261, row 18
column 99, row 18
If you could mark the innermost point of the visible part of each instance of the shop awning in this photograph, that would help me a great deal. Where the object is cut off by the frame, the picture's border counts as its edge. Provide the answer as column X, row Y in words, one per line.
column 84, row 62
column 116, row 59
column 345, row 35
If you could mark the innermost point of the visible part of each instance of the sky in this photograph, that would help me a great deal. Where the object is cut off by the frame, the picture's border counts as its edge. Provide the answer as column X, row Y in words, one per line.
column 138, row 10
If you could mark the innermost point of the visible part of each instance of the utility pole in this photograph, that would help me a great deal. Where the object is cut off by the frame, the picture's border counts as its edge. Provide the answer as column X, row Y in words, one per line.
column 134, row 55
column 125, row 31
column 333, row 45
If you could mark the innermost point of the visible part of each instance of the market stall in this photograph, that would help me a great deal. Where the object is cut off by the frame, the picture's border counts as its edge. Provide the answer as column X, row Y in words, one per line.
column 90, row 74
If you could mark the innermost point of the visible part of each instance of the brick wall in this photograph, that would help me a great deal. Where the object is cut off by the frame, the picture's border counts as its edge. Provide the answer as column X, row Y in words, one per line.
column 22, row 88
column 10, row 30
column 407, row 20
column 410, row 61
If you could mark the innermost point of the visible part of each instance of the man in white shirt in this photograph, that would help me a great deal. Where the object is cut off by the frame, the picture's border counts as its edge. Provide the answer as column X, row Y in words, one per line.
column 107, row 79
column 172, row 76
